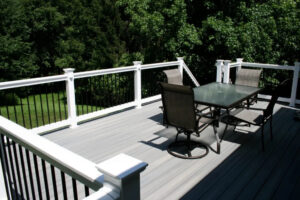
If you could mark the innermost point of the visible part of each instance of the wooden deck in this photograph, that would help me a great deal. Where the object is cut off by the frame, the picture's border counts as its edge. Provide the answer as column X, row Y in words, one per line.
column 241, row 171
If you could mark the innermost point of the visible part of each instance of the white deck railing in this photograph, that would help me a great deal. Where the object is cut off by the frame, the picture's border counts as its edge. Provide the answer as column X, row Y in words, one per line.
column 72, row 164
column 70, row 77
column 223, row 75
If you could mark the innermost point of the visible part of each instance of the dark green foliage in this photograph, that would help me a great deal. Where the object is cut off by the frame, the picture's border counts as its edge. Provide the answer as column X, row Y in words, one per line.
column 40, row 37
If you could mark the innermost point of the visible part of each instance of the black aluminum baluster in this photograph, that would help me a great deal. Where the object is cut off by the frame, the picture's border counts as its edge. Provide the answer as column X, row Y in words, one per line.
column 12, row 166
column 35, row 110
column 54, row 182
column 86, row 99
column 37, row 176
column 63, row 180
column 99, row 87
column 75, row 195
column 29, row 112
column 86, row 190
column 112, row 91
column 22, row 111
column 47, row 103
column 103, row 100
column 59, row 106
column 45, row 179
column 5, row 166
column 115, row 89
column 30, row 173
column 23, row 171
column 81, row 97
column 18, row 169
column 16, row 114
column 42, row 109
column 7, row 112
column 65, row 107
column 53, row 105
column 91, row 96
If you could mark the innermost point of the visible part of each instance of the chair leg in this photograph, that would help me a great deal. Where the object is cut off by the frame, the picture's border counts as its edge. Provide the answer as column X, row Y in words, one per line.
column 224, row 132
column 271, row 129
column 262, row 137
column 218, row 140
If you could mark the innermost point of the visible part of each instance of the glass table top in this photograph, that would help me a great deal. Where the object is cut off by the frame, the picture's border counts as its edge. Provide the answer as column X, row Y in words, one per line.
column 223, row 95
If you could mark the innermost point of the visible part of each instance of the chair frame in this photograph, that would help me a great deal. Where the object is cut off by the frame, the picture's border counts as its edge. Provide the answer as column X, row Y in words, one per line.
column 266, row 116
column 188, row 131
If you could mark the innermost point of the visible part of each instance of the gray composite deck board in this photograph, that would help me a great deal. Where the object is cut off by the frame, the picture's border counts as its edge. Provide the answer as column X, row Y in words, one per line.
column 241, row 171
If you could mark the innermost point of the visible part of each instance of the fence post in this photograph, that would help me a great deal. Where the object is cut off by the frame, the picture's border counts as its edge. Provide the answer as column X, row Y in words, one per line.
column 71, row 97
column 138, row 84
column 180, row 66
column 240, row 61
column 219, row 65
column 123, row 173
column 226, row 71
column 295, row 84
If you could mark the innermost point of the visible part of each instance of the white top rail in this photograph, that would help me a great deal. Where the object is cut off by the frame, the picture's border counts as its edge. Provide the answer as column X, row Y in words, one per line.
column 159, row 65
column 232, row 65
column 32, row 81
column 268, row 66
column 103, row 72
column 78, row 167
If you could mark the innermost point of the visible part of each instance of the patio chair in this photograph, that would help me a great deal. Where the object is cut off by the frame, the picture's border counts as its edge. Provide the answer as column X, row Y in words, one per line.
column 255, row 118
column 248, row 77
column 174, row 77
column 178, row 102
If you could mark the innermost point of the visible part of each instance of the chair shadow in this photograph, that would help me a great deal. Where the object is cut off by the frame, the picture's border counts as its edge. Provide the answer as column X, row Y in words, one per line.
column 157, row 118
column 247, row 169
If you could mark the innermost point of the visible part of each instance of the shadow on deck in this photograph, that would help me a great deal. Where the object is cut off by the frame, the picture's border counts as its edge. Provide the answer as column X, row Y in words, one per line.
column 241, row 171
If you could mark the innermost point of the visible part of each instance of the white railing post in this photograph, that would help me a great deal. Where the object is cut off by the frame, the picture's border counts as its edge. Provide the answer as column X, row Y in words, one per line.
column 295, row 84
column 180, row 66
column 138, row 84
column 71, row 97
column 122, row 172
column 219, row 65
column 226, row 71
column 240, row 61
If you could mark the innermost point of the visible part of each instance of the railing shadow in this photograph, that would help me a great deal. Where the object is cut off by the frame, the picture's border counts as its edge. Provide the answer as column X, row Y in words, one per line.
column 250, row 173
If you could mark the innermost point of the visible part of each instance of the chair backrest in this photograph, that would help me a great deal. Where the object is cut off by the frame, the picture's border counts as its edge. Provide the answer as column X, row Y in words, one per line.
column 178, row 103
column 173, row 76
column 248, row 77
column 275, row 94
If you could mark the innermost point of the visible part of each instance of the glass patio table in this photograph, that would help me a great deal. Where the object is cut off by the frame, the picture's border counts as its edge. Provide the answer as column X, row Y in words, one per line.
column 223, row 95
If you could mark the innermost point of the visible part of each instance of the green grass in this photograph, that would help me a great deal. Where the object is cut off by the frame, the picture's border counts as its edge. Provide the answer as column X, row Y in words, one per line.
column 38, row 110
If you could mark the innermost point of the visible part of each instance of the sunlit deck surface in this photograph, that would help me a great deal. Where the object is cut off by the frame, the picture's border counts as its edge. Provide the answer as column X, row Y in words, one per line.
column 241, row 171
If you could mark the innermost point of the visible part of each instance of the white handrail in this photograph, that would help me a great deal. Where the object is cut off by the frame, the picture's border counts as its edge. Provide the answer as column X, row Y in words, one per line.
column 32, row 81
column 103, row 72
column 78, row 167
column 267, row 66
column 159, row 65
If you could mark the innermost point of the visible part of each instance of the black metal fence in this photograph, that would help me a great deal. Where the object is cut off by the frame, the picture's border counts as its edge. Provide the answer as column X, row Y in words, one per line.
column 100, row 92
column 27, row 176
column 151, row 79
column 35, row 106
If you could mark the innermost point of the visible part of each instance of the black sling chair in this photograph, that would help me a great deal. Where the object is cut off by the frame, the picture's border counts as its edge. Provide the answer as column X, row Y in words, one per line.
column 178, row 102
